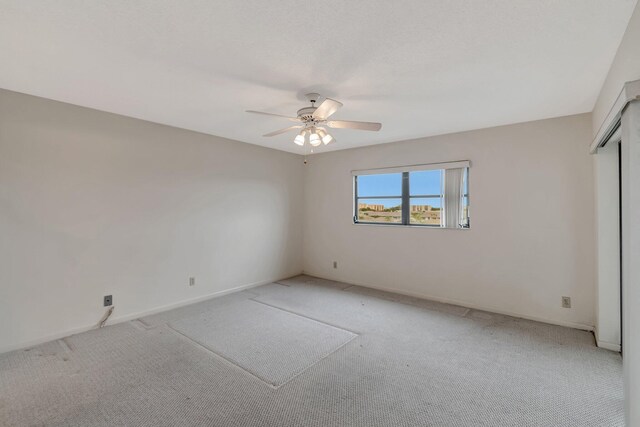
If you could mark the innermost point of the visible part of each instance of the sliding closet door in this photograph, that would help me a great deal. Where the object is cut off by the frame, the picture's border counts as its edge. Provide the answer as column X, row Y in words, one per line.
column 608, row 301
column 630, row 197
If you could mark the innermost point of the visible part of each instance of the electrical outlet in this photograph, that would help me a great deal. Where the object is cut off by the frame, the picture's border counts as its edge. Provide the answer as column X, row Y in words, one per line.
column 192, row 281
column 335, row 264
column 566, row 302
column 108, row 300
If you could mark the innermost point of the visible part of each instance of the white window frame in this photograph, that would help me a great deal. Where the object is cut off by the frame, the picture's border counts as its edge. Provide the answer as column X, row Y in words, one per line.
column 406, row 196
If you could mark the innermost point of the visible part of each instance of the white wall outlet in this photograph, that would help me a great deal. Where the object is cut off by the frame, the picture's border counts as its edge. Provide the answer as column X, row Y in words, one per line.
column 335, row 264
column 566, row 302
column 192, row 281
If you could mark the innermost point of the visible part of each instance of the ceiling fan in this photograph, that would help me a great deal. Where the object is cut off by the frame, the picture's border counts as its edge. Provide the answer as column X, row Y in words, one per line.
column 312, row 119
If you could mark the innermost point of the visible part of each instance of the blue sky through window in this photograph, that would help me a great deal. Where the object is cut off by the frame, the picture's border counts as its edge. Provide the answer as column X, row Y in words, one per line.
column 420, row 183
column 389, row 184
column 425, row 183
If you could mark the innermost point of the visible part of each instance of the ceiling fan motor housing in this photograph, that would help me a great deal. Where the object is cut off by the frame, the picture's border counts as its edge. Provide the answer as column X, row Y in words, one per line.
column 306, row 114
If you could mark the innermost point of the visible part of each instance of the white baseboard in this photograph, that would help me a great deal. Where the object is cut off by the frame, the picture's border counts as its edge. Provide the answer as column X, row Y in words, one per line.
column 574, row 325
column 608, row 346
column 125, row 318
column 128, row 317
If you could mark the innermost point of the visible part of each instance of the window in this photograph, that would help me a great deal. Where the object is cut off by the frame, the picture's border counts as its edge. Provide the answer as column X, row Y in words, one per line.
column 426, row 195
column 380, row 198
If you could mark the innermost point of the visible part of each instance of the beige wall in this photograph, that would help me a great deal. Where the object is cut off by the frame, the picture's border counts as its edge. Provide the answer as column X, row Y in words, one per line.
column 532, row 236
column 93, row 203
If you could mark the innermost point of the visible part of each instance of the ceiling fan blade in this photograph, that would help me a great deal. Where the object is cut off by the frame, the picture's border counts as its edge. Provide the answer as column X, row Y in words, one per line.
column 293, row 119
column 345, row 124
column 278, row 132
column 327, row 108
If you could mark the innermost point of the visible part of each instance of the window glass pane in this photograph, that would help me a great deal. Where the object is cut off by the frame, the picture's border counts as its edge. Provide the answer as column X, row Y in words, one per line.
column 388, row 184
column 425, row 183
column 425, row 211
column 380, row 210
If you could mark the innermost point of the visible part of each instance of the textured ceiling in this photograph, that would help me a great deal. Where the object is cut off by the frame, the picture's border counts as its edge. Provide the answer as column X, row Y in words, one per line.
column 421, row 67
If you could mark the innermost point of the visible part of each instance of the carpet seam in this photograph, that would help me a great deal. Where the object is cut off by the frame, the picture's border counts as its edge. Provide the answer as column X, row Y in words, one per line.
column 66, row 346
column 273, row 386
column 408, row 303
column 282, row 284
column 318, row 361
column 139, row 325
column 146, row 325
column 199, row 344
column 322, row 322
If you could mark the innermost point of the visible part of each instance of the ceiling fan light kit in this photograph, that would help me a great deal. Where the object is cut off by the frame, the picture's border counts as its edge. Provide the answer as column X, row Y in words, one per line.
column 311, row 117
column 324, row 136
column 314, row 138
column 302, row 136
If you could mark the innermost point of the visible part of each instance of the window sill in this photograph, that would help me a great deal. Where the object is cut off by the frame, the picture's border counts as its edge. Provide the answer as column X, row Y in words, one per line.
column 430, row 227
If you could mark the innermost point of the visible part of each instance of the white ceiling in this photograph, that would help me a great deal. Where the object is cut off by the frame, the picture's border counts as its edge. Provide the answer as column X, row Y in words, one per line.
column 421, row 67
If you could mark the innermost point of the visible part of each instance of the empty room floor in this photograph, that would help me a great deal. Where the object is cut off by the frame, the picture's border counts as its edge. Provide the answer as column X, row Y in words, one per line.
column 312, row 352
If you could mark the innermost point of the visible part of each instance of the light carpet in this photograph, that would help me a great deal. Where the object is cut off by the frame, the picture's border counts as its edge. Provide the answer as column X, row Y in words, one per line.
column 379, row 359
column 272, row 344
